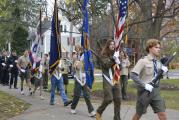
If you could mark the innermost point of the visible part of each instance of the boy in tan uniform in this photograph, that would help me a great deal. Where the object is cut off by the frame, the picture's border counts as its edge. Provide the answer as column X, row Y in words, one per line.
column 23, row 65
column 142, row 74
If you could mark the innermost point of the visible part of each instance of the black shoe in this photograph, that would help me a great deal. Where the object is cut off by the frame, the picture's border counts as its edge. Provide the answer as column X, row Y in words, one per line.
column 68, row 102
column 124, row 98
column 52, row 103
column 15, row 88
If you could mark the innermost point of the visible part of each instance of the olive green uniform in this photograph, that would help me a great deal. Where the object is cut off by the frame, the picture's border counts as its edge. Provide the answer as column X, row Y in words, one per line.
column 111, row 93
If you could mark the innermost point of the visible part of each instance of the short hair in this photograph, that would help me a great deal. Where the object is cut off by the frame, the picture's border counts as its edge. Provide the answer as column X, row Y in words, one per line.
column 151, row 43
column 46, row 54
column 78, row 47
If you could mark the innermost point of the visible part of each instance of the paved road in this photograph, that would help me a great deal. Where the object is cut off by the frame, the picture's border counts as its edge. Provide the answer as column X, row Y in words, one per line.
column 41, row 110
column 173, row 74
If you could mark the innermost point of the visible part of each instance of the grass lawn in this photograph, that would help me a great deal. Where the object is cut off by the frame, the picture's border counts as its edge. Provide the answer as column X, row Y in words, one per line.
column 11, row 106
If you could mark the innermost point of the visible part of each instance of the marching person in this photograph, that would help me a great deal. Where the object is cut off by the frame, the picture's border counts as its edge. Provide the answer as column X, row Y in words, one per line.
column 45, row 70
column 23, row 65
column 4, row 68
column 38, row 81
column 13, row 69
column 57, row 81
column 80, row 86
column 124, row 73
column 65, row 73
column 111, row 91
column 142, row 74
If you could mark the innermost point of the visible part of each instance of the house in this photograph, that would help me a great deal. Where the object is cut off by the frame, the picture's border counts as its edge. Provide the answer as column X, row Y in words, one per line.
column 67, row 48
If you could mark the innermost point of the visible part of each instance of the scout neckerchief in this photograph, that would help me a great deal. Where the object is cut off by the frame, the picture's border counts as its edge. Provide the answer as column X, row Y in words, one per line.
column 110, row 78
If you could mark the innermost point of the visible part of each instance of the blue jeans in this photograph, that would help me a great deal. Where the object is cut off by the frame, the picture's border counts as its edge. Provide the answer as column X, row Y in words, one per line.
column 57, row 83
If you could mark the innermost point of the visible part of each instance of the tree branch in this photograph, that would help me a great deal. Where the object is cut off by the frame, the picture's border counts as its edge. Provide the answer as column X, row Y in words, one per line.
column 173, row 31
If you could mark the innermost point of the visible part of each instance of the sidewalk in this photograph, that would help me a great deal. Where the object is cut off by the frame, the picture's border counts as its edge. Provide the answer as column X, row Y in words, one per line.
column 41, row 110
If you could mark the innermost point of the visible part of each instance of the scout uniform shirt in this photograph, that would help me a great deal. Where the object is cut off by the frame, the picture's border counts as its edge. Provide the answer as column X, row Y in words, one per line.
column 45, row 65
column 145, row 69
column 125, row 66
column 79, row 73
column 23, row 62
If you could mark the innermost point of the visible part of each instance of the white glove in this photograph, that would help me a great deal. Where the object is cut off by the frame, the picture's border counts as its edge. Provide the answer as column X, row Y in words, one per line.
column 117, row 61
column 165, row 69
column 83, row 76
column 148, row 87
column 40, row 68
column 39, row 75
column 22, row 70
column 116, row 54
column 3, row 64
column 15, row 61
column 10, row 66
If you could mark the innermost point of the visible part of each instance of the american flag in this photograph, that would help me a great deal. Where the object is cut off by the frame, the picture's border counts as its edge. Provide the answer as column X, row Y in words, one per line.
column 35, row 54
column 120, row 23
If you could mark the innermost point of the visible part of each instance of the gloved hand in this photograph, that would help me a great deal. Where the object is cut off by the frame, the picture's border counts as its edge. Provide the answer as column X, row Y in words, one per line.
column 10, row 66
column 15, row 61
column 22, row 70
column 117, row 61
column 3, row 64
column 39, row 75
column 116, row 54
column 148, row 87
column 40, row 68
column 165, row 69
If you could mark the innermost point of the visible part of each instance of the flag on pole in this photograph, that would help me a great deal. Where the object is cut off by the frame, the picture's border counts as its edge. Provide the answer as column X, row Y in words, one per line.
column 120, row 23
column 118, row 34
column 55, row 43
column 88, row 61
column 35, row 53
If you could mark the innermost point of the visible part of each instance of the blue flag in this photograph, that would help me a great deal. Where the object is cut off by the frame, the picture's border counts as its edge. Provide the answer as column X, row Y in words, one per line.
column 88, row 61
column 55, row 43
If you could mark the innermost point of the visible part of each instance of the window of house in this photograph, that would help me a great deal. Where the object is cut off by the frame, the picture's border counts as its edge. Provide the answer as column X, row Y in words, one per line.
column 68, row 41
column 42, row 40
column 65, row 28
column 74, row 41
column 61, row 28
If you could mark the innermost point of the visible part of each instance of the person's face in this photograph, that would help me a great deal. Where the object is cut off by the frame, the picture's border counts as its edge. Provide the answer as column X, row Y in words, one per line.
column 155, row 50
column 74, row 57
column 112, row 46
column 5, row 53
column 26, row 53
column 78, row 50
column 45, row 57
column 14, row 53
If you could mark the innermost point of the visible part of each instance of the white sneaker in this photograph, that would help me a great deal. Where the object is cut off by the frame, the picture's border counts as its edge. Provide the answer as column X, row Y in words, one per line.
column 73, row 111
column 92, row 114
column 41, row 97
column 22, row 92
